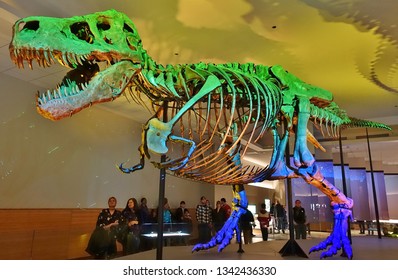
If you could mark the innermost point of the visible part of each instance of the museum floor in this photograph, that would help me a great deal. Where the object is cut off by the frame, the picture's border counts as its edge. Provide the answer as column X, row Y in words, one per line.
column 365, row 247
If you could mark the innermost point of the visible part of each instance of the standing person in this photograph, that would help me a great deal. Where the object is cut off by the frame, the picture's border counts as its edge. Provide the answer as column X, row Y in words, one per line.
column 226, row 208
column 145, row 214
column 299, row 219
column 361, row 224
column 263, row 217
column 246, row 225
column 131, row 241
column 279, row 215
column 137, row 209
column 184, row 223
column 285, row 223
column 179, row 215
column 145, row 218
column 218, row 217
column 187, row 220
column 102, row 243
column 273, row 217
column 166, row 212
column 203, row 217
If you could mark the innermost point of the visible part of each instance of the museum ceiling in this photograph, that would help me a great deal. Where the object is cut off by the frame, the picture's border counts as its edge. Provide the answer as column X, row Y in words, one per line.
column 349, row 47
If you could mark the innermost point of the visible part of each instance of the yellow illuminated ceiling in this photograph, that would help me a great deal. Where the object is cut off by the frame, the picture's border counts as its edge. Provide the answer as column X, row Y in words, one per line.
column 349, row 47
column 346, row 46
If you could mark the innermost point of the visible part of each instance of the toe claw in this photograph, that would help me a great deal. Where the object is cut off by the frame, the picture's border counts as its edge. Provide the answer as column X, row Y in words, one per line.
column 338, row 239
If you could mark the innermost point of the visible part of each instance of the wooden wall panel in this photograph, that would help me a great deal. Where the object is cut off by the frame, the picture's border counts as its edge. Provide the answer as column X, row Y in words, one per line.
column 44, row 234
column 50, row 234
column 16, row 245
column 51, row 244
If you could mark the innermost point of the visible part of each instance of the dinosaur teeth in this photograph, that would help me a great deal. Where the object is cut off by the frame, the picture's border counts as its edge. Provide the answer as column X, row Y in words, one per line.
column 71, row 58
column 56, row 96
column 64, row 58
column 20, row 62
column 41, row 99
column 49, row 95
column 79, row 60
column 46, row 57
column 52, row 56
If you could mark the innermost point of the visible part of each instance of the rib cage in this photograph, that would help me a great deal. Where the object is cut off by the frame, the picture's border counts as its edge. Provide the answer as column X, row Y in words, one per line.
column 243, row 106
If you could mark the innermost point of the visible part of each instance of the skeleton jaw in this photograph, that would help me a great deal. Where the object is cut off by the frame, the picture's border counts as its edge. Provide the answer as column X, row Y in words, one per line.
column 82, row 87
column 103, row 87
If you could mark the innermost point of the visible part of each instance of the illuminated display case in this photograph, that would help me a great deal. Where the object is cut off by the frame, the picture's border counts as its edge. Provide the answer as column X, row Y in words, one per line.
column 173, row 233
column 169, row 229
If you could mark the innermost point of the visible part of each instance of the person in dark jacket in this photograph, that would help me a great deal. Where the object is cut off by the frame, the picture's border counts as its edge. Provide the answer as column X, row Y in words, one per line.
column 179, row 214
column 131, row 238
column 218, row 217
column 280, row 216
column 246, row 225
column 299, row 219
column 102, row 243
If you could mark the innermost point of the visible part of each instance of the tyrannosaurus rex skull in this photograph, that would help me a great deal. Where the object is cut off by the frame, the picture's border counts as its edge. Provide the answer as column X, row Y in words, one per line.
column 80, row 43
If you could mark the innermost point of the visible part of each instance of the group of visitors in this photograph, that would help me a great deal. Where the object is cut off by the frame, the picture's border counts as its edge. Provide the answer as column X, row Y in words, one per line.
column 211, row 220
column 125, row 226
column 278, row 213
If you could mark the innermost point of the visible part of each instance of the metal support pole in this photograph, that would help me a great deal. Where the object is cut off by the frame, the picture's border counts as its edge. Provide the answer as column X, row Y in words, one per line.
column 291, row 248
column 162, row 187
column 373, row 188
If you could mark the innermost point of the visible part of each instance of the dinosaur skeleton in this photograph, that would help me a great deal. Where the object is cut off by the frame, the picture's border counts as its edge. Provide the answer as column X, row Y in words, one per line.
column 211, row 109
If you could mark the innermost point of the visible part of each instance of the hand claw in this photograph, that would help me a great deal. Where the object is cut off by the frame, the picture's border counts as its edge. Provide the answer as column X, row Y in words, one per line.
column 131, row 169
column 161, row 165
column 156, row 164
column 122, row 169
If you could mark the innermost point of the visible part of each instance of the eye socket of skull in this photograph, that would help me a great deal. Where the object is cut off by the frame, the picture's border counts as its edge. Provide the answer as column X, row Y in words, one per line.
column 31, row 25
column 127, row 28
column 130, row 37
column 103, row 26
column 82, row 31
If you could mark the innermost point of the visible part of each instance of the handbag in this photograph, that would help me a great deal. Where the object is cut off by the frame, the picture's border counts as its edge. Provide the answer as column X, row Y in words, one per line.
column 98, row 242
